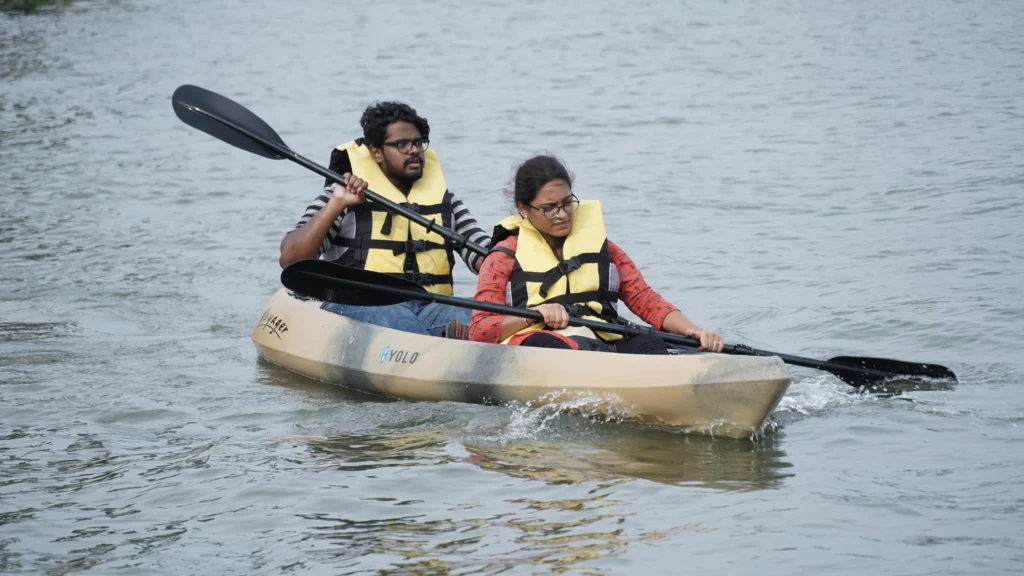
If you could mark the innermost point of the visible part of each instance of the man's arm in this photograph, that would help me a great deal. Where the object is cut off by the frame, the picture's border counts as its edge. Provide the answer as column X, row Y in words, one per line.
column 467, row 226
column 316, row 228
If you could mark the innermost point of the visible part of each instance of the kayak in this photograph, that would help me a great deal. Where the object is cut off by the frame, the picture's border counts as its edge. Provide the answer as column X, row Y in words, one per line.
column 719, row 394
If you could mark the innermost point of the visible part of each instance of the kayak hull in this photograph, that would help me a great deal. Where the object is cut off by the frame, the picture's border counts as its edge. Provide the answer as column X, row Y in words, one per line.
column 715, row 393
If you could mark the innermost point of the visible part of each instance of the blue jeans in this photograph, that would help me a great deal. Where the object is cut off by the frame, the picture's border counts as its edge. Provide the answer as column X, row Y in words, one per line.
column 413, row 316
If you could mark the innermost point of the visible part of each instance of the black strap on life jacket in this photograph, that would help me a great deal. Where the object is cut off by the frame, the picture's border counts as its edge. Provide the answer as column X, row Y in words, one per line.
column 578, row 310
column 425, row 279
column 385, row 228
column 504, row 251
column 565, row 267
column 396, row 246
column 548, row 279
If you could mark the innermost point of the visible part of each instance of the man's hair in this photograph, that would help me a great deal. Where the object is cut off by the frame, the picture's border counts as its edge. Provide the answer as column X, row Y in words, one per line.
column 378, row 116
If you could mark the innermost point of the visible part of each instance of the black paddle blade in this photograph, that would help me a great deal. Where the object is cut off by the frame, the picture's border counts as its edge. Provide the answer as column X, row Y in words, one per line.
column 331, row 282
column 867, row 371
column 225, row 120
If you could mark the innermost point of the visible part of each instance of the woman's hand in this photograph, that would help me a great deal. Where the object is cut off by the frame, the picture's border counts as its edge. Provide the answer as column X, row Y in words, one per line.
column 556, row 316
column 709, row 341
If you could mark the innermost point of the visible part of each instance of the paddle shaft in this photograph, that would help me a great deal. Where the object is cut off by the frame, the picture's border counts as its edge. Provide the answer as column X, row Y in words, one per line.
column 457, row 240
column 832, row 367
column 425, row 296
column 629, row 330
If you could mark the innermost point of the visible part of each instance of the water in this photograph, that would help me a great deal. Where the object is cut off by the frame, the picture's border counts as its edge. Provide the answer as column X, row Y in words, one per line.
column 819, row 179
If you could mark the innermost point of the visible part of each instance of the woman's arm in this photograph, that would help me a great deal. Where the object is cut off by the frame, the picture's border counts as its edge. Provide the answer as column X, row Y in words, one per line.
column 490, row 287
column 652, row 308
column 677, row 323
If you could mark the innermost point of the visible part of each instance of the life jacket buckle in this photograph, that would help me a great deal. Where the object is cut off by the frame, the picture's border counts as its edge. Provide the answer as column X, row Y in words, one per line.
column 425, row 278
column 577, row 310
column 416, row 246
column 569, row 265
column 411, row 207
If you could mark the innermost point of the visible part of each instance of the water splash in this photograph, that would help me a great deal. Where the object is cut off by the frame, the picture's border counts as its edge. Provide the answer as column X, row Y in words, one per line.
column 817, row 395
column 559, row 414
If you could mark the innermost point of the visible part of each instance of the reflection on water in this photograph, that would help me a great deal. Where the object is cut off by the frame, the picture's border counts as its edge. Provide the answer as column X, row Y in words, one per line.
column 562, row 449
column 554, row 534
column 658, row 456
column 635, row 453
column 402, row 536
column 562, row 545
column 370, row 451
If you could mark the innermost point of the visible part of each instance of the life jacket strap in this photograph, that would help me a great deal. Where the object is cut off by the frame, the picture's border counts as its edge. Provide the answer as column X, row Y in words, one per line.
column 397, row 247
column 425, row 279
column 564, row 268
column 413, row 207
column 578, row 310
column 503, row 250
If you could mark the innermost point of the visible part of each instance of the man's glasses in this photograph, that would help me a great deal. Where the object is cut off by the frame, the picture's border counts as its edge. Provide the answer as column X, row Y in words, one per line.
column 406, row 146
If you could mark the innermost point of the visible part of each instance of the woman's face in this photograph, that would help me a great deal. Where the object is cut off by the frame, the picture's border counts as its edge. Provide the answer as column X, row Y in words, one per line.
column 549, row 198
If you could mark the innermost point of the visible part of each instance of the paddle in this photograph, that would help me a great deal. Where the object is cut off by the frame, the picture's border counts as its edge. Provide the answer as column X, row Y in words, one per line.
column 335, row 283
column 233, row 123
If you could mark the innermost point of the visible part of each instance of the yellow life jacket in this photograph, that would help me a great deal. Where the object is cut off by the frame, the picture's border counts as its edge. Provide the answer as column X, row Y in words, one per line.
column 389, row 243
column 581, row 280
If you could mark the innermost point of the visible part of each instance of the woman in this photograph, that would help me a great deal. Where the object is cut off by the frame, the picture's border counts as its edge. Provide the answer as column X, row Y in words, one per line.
column 554, row 257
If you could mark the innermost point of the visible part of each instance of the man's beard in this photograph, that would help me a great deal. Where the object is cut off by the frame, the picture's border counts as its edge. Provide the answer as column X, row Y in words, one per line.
column 402, row 175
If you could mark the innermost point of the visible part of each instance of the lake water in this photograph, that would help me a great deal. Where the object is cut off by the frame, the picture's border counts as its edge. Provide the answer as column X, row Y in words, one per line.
column 813, row 178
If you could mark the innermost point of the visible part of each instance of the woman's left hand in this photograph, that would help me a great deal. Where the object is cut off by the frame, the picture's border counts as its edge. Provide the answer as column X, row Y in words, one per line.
column 709, row 341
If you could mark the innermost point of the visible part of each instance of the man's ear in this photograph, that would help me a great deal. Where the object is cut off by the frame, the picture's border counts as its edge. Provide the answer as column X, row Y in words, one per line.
column 377, row 153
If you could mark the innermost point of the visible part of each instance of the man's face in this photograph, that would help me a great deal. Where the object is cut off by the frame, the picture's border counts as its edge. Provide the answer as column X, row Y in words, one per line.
column 406, row 167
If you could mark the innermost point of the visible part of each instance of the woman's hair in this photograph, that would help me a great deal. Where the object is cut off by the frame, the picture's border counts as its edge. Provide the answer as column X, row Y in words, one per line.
column 533, row 174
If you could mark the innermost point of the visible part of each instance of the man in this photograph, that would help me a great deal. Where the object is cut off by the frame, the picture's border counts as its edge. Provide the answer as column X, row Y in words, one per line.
column 393, row 160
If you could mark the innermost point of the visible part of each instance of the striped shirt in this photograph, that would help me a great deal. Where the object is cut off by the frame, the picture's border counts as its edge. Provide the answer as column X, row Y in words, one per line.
column 345, row 227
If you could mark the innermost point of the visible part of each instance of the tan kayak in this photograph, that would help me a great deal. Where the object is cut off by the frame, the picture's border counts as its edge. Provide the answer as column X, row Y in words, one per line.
column 713, row 393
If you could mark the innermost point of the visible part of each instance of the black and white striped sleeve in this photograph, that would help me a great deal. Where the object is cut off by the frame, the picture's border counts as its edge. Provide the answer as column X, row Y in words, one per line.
column 311, row 211
column 467, row 226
